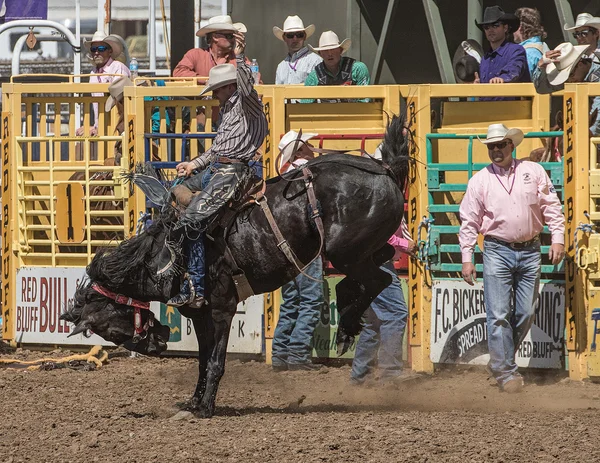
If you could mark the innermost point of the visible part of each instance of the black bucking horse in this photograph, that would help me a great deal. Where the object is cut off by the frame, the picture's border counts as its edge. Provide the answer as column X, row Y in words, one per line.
column 361, row 202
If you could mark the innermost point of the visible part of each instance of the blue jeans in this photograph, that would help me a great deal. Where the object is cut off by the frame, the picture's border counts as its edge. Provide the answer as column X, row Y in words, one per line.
column 511, row 280
column 302, row 299
column 380, row 341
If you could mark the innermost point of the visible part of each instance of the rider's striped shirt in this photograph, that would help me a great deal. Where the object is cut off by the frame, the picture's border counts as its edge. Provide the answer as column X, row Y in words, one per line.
column 243, row 124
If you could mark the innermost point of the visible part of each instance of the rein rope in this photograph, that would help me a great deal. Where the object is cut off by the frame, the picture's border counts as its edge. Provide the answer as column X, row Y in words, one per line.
column 585, row 228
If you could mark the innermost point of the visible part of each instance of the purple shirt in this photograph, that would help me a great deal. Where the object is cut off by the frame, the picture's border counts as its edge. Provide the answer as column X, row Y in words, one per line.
column 508, row 61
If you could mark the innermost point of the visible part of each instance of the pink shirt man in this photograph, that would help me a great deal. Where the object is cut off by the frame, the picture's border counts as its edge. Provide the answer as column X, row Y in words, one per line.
column 510, row 205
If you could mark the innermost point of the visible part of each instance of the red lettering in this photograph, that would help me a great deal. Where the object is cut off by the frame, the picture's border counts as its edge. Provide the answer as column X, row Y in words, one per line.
column 43, row 304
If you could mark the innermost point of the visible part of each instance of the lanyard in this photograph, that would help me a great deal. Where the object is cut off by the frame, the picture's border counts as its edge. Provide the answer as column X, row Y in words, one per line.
column 513, row 180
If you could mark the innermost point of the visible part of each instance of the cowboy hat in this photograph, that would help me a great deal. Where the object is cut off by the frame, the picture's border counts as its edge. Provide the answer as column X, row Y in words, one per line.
column 466, row 60
column 329, row 41
column 584, row 19
column 219, row 76
column 116, row 89
column 113, row 42
column 558, row 71
column 293, row 24
column 498, row 132
column 288, row 142
column 494, row 14
column 221, row 23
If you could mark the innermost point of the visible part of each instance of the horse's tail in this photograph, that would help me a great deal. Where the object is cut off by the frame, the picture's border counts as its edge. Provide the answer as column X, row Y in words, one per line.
column 395, row 148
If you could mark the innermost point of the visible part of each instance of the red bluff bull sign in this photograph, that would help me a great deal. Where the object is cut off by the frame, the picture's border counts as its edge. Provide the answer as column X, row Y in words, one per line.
column 459, row 330
column 43, row 294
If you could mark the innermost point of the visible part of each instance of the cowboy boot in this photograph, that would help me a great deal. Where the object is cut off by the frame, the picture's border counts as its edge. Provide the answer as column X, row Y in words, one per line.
column 191, row 293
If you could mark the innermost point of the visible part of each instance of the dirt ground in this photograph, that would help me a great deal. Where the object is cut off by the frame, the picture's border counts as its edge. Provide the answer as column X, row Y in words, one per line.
column 124, row 412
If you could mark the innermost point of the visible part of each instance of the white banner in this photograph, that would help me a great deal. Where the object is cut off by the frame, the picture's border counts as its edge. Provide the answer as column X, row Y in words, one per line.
column 44, row 292
column 459, row 330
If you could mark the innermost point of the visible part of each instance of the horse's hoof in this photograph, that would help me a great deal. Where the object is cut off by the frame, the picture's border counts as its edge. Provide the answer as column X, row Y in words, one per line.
column 344, row 342
column 188, row 405
column 204, row 413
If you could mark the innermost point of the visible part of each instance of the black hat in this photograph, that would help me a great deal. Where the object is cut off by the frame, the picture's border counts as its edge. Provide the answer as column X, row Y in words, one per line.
column 465, row 65
column 493, row 14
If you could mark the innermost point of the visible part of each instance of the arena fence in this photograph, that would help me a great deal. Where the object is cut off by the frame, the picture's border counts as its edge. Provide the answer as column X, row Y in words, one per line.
column 47, row 163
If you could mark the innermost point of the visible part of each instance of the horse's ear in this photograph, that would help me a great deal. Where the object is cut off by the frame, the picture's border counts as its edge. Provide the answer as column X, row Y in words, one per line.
column 81, row 328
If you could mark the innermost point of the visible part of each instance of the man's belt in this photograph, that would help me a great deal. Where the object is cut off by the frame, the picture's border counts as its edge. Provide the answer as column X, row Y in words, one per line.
column 521, row 245
column 224, row 160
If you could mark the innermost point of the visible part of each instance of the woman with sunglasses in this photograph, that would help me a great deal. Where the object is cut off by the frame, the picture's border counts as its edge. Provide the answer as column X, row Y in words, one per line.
column 299, row 62
column 586, row 32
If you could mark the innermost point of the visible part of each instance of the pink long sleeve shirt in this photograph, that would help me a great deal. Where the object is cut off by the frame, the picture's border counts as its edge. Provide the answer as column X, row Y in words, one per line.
column 511, row 205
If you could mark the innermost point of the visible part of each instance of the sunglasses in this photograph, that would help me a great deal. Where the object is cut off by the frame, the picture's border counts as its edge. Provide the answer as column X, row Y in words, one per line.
column 99, row 48
column 490, row 26
column 500, row 145
column 298, row 35
column 226, row 36
column 582, row 34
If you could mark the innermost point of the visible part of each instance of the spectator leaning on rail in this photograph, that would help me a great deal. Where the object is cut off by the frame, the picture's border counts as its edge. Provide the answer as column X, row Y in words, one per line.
column 302, row 298
column 102, row 51
column 241, row 132
column 568, row 63
column 586, row 32
column 509, row 202
column 299, row 62
column 335, row 68
column 530, row 35
column 506, row 61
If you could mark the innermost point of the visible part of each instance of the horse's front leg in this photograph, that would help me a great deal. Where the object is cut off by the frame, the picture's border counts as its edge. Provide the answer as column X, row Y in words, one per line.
column 216, row 363
column 205, row 334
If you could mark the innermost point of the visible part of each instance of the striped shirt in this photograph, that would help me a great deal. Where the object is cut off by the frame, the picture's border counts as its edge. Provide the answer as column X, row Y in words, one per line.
column 294, row 69
column 243, row 124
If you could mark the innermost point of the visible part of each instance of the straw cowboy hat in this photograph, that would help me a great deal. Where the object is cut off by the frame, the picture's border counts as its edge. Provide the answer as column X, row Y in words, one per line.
column 499, row 132
column 558, row 71
column 113, row 42
column 329, row 41
column 219, row 76
column 116, row 89
column 293, row 24
column 288, row 142
column 494, row 14
column 221, row 23
column 466, row 60
column 584, row 19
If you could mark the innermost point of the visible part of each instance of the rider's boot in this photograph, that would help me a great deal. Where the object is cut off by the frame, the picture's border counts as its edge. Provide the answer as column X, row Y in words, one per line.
column 191, row 293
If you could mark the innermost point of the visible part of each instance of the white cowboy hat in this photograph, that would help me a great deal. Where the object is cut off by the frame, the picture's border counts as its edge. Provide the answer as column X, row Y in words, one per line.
column 293, row 24
column 584, row 19
column 287, row 143
column 219, row 76
column 116, row 89
column 498, row 132
column 329, row 40
column 112, row 41
column 558, row 72
column 221, row 23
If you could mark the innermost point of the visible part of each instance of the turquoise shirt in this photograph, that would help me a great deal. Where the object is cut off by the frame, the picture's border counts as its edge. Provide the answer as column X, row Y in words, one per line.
column 533, row 54
column 360, row 76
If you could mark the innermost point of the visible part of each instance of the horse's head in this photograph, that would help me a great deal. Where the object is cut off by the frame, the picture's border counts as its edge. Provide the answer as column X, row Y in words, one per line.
column 114, row 319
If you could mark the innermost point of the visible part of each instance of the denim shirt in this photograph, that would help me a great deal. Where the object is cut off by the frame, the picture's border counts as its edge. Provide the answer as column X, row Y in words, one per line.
column 508, row 61
column 533, row 53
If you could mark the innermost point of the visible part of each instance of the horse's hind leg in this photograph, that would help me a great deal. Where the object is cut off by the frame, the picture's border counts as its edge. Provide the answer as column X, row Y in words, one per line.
column 363, row 283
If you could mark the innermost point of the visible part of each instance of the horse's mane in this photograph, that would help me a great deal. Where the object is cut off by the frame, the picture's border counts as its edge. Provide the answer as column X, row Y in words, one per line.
column 116, row 267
